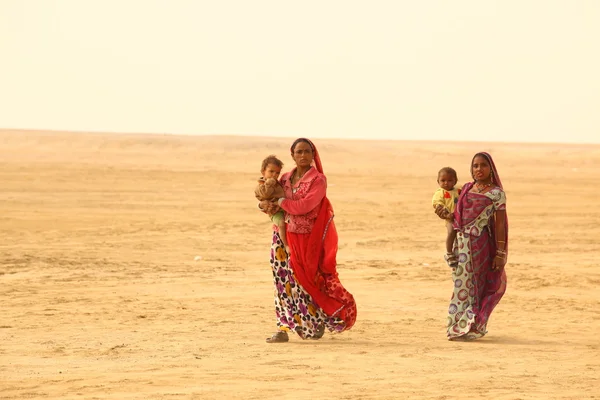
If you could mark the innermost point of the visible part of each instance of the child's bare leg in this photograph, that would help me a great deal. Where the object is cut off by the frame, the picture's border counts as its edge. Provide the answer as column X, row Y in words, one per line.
column 450, row 238
column 283, row 235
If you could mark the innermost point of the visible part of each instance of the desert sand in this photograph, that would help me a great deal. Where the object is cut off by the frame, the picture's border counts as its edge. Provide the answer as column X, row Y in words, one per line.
column 136, row 267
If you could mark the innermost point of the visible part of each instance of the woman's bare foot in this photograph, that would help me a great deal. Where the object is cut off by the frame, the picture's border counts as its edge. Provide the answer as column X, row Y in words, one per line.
column 467, row 337
column 279, row 337
column 319, row 332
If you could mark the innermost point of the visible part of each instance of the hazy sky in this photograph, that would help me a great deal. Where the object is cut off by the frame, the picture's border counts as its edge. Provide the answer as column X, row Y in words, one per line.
column 463, row 70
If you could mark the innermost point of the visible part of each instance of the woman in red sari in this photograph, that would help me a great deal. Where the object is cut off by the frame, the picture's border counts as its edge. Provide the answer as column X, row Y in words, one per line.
column 482, row 247
column 309, row 296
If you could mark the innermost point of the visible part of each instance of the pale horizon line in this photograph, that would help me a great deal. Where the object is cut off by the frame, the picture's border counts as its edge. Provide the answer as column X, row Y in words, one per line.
column 252, row 135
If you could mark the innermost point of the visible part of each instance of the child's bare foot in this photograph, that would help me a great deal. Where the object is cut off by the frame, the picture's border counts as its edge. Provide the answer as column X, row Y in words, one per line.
column 451, row 260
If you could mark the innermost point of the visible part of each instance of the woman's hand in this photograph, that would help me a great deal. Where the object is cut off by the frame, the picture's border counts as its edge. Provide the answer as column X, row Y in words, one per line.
column 273, row 208
column 498, row 263
column 443, row 213
column 268, row 207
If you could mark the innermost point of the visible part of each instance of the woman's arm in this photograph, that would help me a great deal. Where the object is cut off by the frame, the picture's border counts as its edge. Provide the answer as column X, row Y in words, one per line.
column 313, row 198
column 500, row 259
column 500, row 216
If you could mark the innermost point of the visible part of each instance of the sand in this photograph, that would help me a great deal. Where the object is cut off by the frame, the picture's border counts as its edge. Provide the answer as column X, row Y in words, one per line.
column 136, row 267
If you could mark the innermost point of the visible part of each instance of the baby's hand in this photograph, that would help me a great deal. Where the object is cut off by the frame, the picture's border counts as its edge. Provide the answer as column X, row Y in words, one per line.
column 270, row 182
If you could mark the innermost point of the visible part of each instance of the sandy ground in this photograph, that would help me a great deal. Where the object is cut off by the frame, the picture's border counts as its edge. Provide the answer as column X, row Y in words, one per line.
column 102, row 298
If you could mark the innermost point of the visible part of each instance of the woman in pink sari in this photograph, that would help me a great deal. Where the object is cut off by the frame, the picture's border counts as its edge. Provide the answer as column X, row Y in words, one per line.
column 309, row 296
column 482, row 247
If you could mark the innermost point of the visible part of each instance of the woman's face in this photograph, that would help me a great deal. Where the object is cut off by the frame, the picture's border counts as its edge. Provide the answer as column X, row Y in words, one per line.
column 481, row 169
column 302, row 154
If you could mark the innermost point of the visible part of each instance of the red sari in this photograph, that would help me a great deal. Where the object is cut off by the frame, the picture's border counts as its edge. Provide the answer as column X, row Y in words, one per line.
column 313, row 241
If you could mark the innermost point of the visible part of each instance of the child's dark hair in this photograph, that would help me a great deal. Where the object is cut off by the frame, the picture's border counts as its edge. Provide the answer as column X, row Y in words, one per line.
column 272, row 159
column 448, row 170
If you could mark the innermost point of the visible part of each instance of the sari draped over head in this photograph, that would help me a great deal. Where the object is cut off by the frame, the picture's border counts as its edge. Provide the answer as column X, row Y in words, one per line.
column 459, row 212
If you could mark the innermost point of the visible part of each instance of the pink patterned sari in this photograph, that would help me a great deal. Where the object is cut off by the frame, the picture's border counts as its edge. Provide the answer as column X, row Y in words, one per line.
column 477, row 288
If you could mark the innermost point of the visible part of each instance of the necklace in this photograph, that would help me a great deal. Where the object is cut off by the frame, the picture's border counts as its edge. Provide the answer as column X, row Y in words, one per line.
column 481, row 187
column 298, row 176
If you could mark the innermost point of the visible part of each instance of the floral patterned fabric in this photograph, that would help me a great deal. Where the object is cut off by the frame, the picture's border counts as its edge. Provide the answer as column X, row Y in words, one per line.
column 294, row 308
column 477, row 288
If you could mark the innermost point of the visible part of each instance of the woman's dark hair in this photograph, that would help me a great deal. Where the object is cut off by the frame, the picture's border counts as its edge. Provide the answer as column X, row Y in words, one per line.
column 448, row 170
column 299, row 140
column 481, row 155
column 272, row 159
